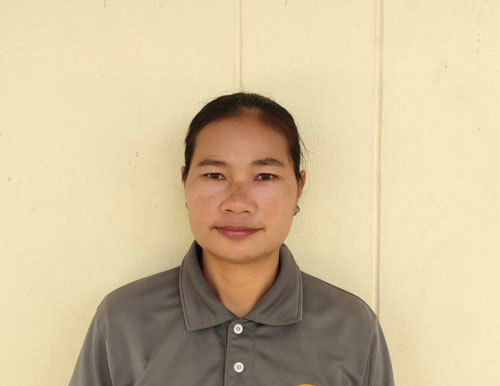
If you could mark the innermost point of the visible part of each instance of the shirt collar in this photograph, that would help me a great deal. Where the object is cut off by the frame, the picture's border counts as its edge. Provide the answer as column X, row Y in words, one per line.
column 280, row 305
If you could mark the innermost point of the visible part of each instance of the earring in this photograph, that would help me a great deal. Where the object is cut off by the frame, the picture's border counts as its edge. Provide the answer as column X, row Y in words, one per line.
column 297, row 210
column 186, row 204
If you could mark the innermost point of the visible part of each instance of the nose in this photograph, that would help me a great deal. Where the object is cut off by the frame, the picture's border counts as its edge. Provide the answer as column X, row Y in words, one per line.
column 238, row 200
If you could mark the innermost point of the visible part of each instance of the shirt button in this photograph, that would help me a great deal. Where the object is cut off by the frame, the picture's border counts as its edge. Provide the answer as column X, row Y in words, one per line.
column 238, row 328
column 238, row 367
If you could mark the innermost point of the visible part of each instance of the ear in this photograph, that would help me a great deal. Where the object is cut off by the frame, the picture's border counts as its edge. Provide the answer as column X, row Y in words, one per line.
column 182, row 170
column 300, row 186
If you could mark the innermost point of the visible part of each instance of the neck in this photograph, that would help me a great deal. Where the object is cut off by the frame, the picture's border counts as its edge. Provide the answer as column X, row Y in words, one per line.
column 240, row 286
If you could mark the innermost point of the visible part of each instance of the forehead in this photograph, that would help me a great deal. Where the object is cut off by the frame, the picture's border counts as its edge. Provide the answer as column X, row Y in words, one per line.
column 241, row 139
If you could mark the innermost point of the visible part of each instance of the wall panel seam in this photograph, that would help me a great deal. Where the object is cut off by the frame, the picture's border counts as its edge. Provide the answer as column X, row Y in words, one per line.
column 379, row 39
column 237, row 46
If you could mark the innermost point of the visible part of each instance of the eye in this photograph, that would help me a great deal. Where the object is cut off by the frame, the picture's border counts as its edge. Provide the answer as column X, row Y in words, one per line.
column 267, row 176
column 271, row 176
column 212, row 174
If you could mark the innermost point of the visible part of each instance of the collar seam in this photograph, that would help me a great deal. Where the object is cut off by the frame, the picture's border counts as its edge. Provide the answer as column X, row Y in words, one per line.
column 183, row 300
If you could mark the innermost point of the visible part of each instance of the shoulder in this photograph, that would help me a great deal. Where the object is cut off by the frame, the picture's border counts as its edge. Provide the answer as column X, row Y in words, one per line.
column 140, row 296
column 324, row 299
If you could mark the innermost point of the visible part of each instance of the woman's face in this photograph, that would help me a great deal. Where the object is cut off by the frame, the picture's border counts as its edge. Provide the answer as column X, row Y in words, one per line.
column 239, row 191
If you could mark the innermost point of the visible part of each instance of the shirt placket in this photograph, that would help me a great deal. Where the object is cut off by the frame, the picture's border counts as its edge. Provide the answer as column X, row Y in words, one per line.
column 239, row 353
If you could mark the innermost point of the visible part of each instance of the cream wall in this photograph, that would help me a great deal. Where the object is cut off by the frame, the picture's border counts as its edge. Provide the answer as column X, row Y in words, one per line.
column 396, row 102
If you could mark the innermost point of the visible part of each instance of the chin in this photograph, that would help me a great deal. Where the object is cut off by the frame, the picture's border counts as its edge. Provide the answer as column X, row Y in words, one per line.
column 241, row 250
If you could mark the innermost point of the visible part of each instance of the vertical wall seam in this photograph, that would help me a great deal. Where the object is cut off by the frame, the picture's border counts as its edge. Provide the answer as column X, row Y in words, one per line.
column 379, row 13
column 237, row 46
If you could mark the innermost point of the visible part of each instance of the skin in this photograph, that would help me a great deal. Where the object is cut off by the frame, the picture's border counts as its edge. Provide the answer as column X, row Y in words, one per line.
column 241, row 271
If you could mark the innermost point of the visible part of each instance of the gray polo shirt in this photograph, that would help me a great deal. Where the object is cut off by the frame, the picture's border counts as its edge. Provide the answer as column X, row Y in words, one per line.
column 170, row 329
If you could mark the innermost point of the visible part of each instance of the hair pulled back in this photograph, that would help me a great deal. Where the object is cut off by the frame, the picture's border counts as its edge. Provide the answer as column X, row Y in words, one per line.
column 267, row 111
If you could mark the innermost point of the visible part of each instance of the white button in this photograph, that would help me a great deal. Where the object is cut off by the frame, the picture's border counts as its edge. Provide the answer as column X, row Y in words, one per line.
column 238, row 328
column 238, row 367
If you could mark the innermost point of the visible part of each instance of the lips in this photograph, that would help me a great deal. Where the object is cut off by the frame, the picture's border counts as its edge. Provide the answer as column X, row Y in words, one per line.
column 237, row 228
column 236, row 232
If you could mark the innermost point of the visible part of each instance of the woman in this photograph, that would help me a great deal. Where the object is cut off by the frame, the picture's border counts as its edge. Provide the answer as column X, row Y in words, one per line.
column 238, row 310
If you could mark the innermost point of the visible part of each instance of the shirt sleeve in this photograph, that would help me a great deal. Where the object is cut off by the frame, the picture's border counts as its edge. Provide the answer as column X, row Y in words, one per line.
column 92, row 364
column 378, row 370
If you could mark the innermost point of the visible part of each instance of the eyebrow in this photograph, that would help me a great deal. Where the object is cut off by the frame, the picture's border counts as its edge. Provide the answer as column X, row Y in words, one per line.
column 268, row 161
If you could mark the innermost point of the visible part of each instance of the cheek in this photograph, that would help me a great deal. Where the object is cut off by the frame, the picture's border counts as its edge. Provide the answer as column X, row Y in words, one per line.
column 276, row 199
column 204, row 197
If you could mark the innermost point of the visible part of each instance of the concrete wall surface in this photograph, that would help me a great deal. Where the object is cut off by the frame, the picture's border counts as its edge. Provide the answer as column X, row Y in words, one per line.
column 396, row 101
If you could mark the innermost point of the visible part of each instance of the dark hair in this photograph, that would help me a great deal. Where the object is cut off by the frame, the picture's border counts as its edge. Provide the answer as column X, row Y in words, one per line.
column 267, row 110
